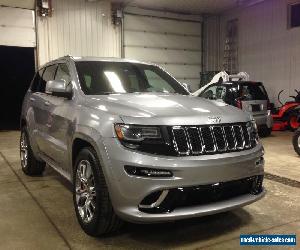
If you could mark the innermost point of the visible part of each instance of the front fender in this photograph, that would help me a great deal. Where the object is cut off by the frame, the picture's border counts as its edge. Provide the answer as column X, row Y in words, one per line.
column 94, row 138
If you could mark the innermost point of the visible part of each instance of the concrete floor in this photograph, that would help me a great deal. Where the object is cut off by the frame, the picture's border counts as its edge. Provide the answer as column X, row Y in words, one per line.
column 37, row 212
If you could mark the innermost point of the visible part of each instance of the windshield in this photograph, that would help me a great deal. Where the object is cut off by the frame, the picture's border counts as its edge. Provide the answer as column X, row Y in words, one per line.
column 98, row 78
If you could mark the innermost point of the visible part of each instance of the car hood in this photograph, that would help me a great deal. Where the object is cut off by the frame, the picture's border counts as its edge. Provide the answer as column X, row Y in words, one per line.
column 166, row 109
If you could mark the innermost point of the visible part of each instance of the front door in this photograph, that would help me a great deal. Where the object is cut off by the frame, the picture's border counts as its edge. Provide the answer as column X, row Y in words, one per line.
column 59, row 126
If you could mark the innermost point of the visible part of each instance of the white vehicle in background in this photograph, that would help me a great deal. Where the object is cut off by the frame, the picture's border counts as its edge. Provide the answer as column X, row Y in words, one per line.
column 239, row 91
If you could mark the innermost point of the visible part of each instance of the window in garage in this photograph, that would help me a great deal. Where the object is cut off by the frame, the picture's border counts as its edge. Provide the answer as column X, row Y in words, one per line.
column 17, row 69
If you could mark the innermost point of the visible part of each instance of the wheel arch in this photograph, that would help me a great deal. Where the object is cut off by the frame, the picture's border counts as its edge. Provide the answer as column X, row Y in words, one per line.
column 82, row 140
column 79, row 142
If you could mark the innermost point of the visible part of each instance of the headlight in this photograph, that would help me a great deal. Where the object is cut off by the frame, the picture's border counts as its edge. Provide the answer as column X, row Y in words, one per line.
column 134, row 133
column 138, row 136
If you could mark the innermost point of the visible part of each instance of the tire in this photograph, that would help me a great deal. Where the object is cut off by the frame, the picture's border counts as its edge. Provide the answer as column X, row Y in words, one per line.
column 296, row 141
column 30, row 165
column 93, row 208
column 265, row 131
column 293, row 123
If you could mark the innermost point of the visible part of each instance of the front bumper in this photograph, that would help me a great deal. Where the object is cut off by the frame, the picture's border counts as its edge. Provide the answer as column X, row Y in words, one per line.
column 127, row 192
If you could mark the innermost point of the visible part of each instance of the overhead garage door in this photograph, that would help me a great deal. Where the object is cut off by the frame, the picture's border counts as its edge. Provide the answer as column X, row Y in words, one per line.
column 173, row 44
column 17, row 27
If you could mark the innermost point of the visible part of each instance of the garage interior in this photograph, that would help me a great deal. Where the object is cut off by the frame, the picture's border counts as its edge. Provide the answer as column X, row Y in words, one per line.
column 192, row 40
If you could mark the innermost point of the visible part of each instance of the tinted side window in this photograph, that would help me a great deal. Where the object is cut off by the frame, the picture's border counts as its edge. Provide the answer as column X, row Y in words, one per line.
column 36, row 80
column 48, row 75
column 63, row 73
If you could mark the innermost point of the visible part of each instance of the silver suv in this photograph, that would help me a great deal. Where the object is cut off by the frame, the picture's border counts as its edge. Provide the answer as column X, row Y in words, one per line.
column 136, row 146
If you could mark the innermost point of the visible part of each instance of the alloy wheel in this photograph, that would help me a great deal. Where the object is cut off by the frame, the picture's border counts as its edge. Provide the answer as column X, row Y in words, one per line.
column 85, row 191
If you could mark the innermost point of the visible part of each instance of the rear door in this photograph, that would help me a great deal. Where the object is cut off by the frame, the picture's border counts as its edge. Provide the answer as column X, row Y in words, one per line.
column 254, row 98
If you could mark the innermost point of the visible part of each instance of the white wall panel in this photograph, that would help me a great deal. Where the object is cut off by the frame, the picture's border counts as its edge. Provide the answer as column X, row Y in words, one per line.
column 183, row 71
column 167, row 56
column 268, row 50
column 79, row 28
column 174, row 44
column 146, row 23
column 148, row 39
column 25, row 4
column 17, row 27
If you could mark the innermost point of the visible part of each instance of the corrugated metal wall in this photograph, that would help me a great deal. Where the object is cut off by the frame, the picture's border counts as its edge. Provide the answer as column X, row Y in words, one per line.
column 173, row 44
column 268, row 50
column 79, row 28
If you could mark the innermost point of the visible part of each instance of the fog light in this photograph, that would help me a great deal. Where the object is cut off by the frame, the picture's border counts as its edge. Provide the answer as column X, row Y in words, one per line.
column 147, row 172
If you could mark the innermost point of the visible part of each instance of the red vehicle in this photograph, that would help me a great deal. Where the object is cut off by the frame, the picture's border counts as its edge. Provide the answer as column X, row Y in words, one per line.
column 286, row 117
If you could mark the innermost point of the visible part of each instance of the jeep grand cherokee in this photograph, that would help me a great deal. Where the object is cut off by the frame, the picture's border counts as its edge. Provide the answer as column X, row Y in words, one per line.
column 135, row 145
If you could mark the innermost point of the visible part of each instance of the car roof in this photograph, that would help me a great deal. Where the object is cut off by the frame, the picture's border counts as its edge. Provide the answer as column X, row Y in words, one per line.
column 104, row 59
column 95, row 59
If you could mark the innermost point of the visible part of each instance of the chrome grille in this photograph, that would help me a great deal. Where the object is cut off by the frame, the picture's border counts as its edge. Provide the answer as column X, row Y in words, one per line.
column 180, row 143
column 219, row 138
column 208, row 139
column 197, row 140
column 238, row 134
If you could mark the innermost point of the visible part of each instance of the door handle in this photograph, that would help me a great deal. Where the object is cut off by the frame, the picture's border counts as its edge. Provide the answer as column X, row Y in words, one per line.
column 47, row 103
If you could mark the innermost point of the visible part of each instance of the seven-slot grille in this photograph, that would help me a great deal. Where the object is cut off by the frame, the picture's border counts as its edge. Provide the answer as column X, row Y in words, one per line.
column 196, row 140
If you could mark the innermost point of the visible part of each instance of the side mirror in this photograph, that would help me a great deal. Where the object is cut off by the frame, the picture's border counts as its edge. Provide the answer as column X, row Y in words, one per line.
column 59, row 88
